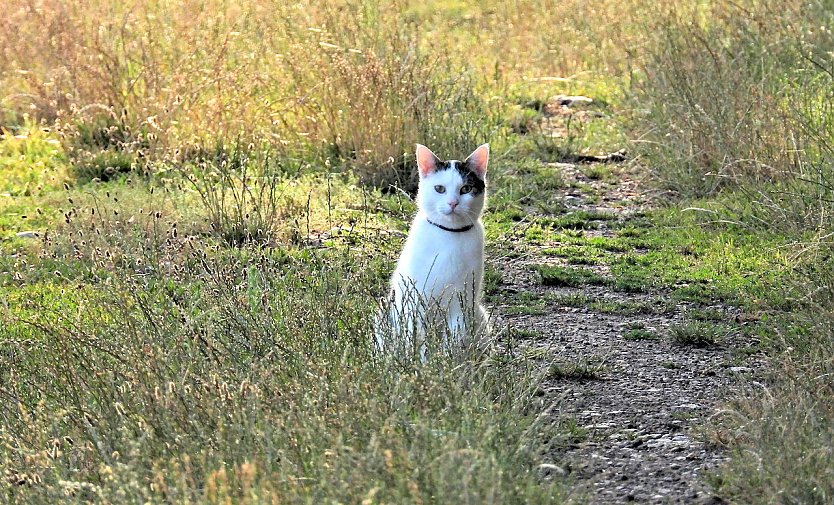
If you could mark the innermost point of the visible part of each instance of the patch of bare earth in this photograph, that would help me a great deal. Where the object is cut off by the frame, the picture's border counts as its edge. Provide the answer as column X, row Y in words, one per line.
column 640, row 404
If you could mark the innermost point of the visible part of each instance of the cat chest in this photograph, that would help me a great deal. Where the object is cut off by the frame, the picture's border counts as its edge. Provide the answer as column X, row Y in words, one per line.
column 452, row 263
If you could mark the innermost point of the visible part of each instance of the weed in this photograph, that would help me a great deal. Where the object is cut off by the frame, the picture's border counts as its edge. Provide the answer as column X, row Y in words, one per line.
column 243, row 191
column 639, row 331
column 571, row 431
column 579, row 220
column 522, row 334
column 524, row 120
column 527, row 302
column 278, row 345
column 598, row 172
column 580, row 371
column 493, row 279
column 31, row 161
column 632, row 281
column 630, row 307
column 572, row 300
column 707, row 314
column 698, row 333
column 576, row 255
column 526, row 310
column 171, row 346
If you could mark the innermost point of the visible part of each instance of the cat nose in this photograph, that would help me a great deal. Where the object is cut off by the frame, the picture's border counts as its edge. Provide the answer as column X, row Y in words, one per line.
column 453, row 203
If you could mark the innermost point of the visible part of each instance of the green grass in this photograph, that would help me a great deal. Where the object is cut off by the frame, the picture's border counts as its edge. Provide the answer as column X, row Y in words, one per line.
column 631, row 307
column 638, row 331
column 31, row 161
column 526, row 303
column 576, row 370
column 522, row 334
column 576, row 255
column 220, row 372
column 572, row 300
column 526, row 310
column 579, row 220
column 599, row 172
column 568, row 277
column 244, row 346
column 698, row 333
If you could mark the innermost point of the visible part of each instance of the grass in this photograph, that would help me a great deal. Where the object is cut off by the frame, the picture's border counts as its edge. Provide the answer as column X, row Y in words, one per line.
column 522, row 334
column 612, row 306
column 576, row 255
column 204, row 187
column 739, row 151
column 261, row 379
column 698, row 333
column 638, row 331
column 572, row 300
column 599, row 173
column 527, row 303
column 579, row 371
column 579, row 220
column 568, row 277
column 255, row 344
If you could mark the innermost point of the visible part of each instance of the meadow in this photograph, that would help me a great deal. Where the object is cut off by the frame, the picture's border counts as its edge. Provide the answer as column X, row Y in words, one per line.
column 201, row 203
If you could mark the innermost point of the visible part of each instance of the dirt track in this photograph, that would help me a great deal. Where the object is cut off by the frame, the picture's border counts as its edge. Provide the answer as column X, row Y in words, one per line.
column 639, row 404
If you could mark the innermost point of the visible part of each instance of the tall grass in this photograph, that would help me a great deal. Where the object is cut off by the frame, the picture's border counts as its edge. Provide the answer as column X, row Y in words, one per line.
column 253, row 381
column 738, row 107
column 358, row 81
column 717, row 104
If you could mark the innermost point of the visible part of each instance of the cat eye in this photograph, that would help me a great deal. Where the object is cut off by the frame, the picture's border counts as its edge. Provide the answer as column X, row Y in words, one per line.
column 440, row 189
column 466, row 188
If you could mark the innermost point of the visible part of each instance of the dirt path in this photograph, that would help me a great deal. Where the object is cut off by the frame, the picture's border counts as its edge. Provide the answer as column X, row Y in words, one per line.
column 637, row 403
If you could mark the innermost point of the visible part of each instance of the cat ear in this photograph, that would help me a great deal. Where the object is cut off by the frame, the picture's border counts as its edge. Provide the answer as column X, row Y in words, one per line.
column 426, row 160
column 478, row 160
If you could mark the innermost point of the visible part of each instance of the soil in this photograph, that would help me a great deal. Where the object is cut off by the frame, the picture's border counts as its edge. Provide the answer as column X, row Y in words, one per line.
column 643, row 407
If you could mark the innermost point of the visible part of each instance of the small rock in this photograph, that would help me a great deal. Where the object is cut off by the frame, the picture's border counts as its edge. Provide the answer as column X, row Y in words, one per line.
column 563, row 166
column 547, row 469
column 571, row 100
column 740, row 369
column 598, row 426
column 686, row 406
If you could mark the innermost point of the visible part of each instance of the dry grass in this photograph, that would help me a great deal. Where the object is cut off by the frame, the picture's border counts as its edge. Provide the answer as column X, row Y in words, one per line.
column 358, row 81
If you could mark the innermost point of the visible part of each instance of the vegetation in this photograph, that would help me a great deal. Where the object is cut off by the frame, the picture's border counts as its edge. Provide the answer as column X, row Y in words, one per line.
column 200, row 204
column 751, row 130
column 697, row 333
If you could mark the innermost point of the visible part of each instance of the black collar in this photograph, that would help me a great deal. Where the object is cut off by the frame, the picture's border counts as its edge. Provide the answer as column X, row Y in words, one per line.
column 453, row 230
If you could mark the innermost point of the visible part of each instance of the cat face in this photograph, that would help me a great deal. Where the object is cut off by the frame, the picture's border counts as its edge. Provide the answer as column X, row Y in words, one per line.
column 452, row 192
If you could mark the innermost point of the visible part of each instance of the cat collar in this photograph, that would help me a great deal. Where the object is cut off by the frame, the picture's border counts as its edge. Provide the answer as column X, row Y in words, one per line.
column 453, row 230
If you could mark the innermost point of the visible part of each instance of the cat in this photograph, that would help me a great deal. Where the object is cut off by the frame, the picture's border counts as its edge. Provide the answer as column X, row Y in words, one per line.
column 436, row 286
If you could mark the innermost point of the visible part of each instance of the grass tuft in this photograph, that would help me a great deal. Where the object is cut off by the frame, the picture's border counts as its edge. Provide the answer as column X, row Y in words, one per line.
column 579, row 371
column 638, row 331
column 567, row 277
column 698, row 333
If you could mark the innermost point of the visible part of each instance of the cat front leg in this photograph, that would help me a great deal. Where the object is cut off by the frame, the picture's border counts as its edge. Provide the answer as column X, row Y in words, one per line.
column 484, row 325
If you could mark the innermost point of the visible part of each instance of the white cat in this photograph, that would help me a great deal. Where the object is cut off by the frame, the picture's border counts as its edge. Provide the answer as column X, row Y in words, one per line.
column 436, row 286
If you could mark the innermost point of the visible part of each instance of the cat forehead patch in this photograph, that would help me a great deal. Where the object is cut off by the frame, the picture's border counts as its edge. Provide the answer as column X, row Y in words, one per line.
column 467, row 175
